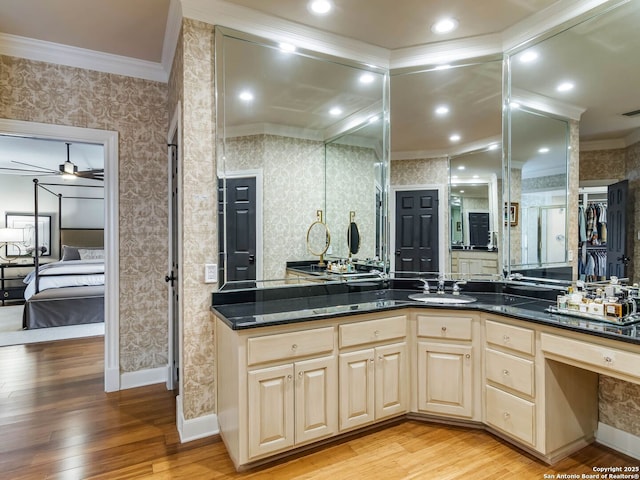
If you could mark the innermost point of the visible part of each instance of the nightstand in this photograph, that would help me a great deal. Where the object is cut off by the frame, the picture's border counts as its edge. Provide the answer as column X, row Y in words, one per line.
column 11, row 285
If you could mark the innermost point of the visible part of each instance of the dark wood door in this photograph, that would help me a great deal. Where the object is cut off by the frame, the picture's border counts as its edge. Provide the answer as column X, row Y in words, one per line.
column 617, row 259
column 240, row 229
column 417, row 231
column 479, row 229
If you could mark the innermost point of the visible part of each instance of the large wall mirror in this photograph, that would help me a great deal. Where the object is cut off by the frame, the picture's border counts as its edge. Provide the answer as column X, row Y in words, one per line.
column 581, row 80
column 297, row 133
column 446, row 169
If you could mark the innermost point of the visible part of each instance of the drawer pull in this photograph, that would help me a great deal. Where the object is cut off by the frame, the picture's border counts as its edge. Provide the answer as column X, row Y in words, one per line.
column 380, row 357
column 300, row 374
column 608, row 359
column 377, row 333
column 467, row 356
column 505, row 372
column 506, row 415
column 289, row 377
column 371, row 360
column 506, row 338
column 444, row 329
column 294, row 347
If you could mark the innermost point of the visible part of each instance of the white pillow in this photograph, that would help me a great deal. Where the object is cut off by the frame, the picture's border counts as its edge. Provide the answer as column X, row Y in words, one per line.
column 91, row 254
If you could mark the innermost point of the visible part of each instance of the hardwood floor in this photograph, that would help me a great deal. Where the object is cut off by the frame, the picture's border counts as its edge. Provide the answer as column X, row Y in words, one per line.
column 57, row 423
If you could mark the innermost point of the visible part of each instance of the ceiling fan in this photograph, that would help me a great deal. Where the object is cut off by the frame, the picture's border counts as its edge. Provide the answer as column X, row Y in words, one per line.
column 67, row 169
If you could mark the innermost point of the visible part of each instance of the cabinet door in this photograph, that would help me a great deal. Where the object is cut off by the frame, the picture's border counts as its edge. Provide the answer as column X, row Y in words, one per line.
column 316, row 399
column 270, row 409
column 445, row 381
column 391, row 380
column 356, row 371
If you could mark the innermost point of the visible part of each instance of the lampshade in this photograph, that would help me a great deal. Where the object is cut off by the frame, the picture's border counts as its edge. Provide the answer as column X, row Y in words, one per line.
column 11, row 235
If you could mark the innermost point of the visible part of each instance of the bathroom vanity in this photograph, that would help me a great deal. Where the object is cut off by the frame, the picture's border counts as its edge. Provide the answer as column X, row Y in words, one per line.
column 303, row 365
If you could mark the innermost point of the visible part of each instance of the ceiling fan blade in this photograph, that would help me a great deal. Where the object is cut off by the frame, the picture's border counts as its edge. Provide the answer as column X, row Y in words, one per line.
column 35, row 166
column 30, row 172
column 91, row 175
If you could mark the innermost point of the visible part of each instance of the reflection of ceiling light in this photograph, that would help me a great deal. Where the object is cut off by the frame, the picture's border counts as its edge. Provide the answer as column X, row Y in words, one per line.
column 366, row 78
column 442, row 110
column 445, row 25
column 335, row 111
column 543, row 150
column 443, row 67
column 460, row 167
column 514, row 105
column 493, row 146
column 476, row 176
column 287, row 47
column 454, row 185
column 374, row 119
column 455, row 137
column 461, row 191
column 565, row 87
column 246, row 96
column 454, row 176
column 320, row 7
column 528, row 56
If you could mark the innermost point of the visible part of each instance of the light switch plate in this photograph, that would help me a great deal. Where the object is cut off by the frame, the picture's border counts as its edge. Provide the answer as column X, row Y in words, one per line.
column 210, row 272
column 570, row 255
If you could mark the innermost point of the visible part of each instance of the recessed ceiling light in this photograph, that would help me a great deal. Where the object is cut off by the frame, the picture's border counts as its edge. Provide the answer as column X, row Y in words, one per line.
column 320, row 7
column 442, row 110
column 246, row 96
column 528, row 56
column 454, row 185
column 543, row 150
column 445, row 25
column 461, row 167
column 476, row 176
column 565, row 87
column 443, row 67
column 455, row 137
column 461, row 191
column 367, row 78
column 454, row 176
column 335, row 111
column 287, row 47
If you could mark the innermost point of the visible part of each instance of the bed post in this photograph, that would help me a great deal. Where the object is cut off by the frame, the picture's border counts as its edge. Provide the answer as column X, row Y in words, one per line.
column 35, row 228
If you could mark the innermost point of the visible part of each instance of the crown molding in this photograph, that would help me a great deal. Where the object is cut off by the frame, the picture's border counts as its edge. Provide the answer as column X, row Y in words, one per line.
column 171, row 35
column 531, row 28
column 38, row 50
column 218, row 12
column 447, row 51
column 459, row 150
column 274, row 129
column 613, row 144
column 547, row 104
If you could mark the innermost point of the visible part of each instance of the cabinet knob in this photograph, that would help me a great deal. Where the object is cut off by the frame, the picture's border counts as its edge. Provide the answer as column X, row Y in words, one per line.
column 505, row 372
column 506, row 415
column 377, row 333
column 380, row 357
column 289, row 377
column 444, row 329
column 300, row 374
column 608, row 359
column 294, row 346
column 506, row 338
column 467, row 356
column 371, row 360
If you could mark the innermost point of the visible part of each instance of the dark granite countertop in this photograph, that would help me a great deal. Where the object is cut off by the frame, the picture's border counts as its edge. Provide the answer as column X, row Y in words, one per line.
column 260, row 308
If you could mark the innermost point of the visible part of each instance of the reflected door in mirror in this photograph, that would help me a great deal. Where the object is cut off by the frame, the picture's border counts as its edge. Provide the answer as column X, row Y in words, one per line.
column 416, row 231
column 478, row 229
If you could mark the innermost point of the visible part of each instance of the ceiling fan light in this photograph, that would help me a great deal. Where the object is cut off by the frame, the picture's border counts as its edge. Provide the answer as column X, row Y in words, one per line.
column 68, row 168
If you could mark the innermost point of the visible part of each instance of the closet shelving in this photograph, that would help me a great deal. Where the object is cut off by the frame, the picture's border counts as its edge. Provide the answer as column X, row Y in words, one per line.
column 592, row 240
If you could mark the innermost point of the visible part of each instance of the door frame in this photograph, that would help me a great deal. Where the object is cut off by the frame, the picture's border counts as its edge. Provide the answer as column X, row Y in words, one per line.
column 175, row 127
column 257, row 174
column 441, row 222
column 109, row 140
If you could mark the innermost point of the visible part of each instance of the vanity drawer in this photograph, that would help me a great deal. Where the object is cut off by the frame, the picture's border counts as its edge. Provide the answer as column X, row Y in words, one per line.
column 607, row 359
column 291, row 345
column 458, row 328
column 510, row 414
column 371, row 331
column 508, row 336
column 509, row 371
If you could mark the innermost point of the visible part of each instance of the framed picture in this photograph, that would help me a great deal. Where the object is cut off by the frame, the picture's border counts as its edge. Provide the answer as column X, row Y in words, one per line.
column 511, row 214
column 27, row 222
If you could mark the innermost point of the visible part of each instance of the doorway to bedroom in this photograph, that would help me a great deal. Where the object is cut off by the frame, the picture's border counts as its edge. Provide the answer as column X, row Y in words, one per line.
column 57, row 185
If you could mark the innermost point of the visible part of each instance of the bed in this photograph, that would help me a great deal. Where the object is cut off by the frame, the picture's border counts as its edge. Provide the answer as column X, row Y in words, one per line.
column 70, row 291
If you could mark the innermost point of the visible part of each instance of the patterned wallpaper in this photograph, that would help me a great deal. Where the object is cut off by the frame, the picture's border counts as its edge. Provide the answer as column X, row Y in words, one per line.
column 619, row 404
column 199, row 214
column 137, row 109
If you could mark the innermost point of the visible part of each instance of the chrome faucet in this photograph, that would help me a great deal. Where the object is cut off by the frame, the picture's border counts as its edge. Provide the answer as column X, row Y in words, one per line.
column 456, row 286
column 425, row 286
column 441, row 284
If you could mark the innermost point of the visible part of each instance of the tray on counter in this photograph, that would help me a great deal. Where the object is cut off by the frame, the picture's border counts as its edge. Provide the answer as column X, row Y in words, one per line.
column 628, row 320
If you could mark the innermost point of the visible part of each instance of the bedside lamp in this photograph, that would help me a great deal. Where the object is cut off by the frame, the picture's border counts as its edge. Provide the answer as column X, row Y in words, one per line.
column 11, row 236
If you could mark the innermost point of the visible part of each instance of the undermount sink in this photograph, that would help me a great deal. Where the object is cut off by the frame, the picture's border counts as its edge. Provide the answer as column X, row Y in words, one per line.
column 442, row 298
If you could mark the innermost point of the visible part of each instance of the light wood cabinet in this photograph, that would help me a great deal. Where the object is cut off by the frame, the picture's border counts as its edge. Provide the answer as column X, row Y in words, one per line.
column 373, row 385
column 445, row 379
column 446, row 366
